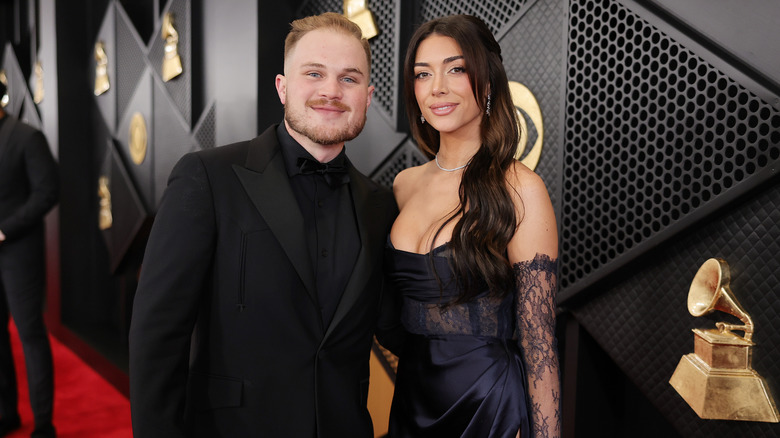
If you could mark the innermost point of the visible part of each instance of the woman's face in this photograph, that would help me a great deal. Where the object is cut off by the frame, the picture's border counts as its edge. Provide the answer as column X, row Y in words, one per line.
column 443, row 89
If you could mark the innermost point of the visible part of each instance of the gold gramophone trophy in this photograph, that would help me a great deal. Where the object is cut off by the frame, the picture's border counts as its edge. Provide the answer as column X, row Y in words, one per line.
column 171, row 66
column 357, row 11
column 717, row 380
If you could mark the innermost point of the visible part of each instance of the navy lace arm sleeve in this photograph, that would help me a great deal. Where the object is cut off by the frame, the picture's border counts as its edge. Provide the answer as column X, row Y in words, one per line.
column 537, row 284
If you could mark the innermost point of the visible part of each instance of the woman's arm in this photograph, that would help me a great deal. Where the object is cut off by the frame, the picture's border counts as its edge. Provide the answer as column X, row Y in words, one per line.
column 533, row 252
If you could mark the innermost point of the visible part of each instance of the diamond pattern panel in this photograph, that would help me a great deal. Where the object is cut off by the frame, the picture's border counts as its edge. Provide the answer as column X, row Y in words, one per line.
column 130, row 60
column 107, row 101
column 206, row 130
column 180, row 87
column 644, row 324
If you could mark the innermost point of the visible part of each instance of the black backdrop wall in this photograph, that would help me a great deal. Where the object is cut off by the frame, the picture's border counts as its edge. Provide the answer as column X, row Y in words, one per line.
column 661, row 149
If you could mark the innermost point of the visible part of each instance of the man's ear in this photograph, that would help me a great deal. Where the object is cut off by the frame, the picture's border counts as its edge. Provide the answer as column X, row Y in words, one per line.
column 281, row 88
column 370, row 94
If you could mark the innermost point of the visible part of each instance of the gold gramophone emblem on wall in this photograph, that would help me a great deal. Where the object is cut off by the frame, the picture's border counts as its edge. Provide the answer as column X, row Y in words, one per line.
column 717, row 380
column 357, row 11
column 102, row 84
column 171, row 66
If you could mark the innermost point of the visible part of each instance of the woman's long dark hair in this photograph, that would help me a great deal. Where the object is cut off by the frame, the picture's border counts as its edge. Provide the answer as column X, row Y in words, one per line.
column 488, row 222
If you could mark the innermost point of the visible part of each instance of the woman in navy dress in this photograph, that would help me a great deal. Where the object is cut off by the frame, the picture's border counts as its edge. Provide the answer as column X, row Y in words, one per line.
column 473, row 252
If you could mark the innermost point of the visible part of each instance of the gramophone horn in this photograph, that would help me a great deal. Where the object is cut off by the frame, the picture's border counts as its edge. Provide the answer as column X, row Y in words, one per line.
column 710, row 291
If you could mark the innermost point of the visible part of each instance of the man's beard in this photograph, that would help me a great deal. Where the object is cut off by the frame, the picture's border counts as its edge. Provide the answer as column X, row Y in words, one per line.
column 324, row 135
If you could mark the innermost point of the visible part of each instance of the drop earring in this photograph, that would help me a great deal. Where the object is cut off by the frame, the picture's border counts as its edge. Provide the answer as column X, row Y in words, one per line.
column 422, row 119
column 487, row 107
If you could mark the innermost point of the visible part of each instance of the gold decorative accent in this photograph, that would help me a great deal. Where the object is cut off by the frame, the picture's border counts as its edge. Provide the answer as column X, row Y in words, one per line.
column 102, row 83
column 357, row 11
column 171, row 66
column 717, row 380
column 524, row 100
column 105, row 218
column 4, row 99
column 38, row 94
column 138, row 138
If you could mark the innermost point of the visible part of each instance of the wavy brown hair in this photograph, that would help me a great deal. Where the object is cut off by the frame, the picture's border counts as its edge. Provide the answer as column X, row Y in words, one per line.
column 487, row 214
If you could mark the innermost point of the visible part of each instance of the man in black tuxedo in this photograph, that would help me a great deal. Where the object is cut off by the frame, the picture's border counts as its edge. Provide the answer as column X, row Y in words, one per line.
column 262, row 280
column 29, row 187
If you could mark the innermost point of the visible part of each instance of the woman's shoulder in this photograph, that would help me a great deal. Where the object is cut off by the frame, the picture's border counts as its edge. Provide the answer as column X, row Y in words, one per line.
column 406, row 180
column 526, row 182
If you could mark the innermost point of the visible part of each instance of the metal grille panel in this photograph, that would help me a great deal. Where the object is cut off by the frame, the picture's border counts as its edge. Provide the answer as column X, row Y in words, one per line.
column 408, row 155
column 206, row 131
column 495, row 13
column 653, row 133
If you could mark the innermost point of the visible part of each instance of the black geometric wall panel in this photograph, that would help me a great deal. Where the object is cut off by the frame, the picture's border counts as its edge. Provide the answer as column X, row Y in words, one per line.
column 495, row 13
column 407, row 155
column 643, row 320
column 137, row 87
column 171, row 130
column 107, row 101
column 17, row 85
column 205, row 130
column 142, row 174
column 128, row 211
column 180, row 87
column 130, row 59
column 654, row 137
column 30, row 113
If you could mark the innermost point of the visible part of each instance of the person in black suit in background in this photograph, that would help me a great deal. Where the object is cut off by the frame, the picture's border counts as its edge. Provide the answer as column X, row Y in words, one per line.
column 29, row 187
column 262, row 279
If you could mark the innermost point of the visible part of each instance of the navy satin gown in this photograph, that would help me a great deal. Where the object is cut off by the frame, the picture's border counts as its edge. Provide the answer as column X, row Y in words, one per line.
column 460, row 373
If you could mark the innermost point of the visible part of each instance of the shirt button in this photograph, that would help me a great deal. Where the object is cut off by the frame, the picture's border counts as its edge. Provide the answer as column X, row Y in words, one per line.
column 319, row 204
column 324, row 252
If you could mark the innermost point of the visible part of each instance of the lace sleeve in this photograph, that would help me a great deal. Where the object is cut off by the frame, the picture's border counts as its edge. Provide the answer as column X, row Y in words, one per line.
column 537, row 285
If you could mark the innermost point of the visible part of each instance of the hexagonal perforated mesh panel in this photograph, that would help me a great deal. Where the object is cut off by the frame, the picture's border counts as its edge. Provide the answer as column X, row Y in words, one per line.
column 407, row 155
column 653, row 133
column 495, row 13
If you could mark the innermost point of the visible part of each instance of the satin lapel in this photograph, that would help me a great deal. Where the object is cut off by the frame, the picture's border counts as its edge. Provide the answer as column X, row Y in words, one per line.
column 266, row 182
column 361, row 196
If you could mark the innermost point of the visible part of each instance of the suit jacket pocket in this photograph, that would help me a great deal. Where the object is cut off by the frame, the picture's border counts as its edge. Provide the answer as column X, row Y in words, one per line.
column 214, row 392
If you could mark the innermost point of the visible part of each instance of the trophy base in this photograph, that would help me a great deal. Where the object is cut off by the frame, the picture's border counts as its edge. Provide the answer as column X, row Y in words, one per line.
column 723, row 394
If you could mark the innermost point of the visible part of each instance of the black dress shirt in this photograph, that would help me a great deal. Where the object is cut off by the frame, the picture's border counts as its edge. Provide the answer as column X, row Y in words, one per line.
column 329, row 217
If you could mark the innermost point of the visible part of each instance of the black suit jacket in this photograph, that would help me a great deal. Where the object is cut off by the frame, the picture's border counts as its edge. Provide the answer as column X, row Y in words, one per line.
column 227, row 264
column 29, row 187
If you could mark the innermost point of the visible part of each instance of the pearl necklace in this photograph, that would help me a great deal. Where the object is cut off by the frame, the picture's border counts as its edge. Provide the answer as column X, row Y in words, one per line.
column 436, row 158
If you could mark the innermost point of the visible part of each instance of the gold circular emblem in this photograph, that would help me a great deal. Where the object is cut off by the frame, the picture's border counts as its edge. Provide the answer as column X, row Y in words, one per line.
column 525, row 100
column 138, row 138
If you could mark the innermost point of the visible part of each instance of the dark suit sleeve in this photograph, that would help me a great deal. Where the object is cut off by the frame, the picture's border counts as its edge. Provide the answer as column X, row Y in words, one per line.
column 43, row 180
column 175, row 271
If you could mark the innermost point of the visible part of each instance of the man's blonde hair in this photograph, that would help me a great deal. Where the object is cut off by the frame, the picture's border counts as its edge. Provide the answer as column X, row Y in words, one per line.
column 328, row 20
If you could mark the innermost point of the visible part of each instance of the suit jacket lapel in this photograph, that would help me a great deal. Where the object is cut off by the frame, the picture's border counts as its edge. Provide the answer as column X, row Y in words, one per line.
column 266, row 182
column 363, row 269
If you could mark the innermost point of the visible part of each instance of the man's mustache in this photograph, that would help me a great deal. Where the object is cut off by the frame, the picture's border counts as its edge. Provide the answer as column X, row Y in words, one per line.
column 325, row 102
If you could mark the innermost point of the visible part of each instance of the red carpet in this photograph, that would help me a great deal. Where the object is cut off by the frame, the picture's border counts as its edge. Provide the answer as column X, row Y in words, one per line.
column 85, row 405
